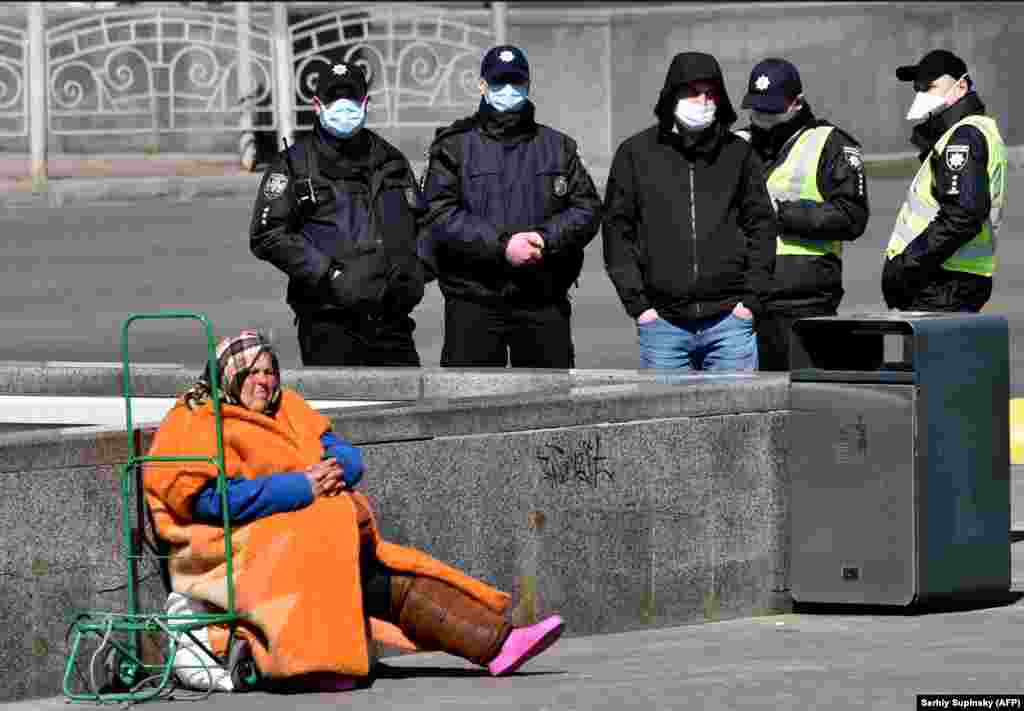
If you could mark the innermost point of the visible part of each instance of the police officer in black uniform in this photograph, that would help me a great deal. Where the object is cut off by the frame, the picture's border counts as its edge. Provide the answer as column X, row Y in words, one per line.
column 339, row 212
column 815, row 175
column 511, row 209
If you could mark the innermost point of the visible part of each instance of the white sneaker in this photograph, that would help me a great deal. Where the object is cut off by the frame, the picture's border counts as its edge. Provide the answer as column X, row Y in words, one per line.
column 193, row 666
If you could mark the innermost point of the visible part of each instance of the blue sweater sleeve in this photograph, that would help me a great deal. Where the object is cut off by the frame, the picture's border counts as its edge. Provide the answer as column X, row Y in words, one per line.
column 249, row 499
column 346, row 454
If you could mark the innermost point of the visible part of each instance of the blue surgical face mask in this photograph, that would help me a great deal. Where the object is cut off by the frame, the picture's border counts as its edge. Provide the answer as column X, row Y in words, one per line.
column 508, row 97
column 343, row 118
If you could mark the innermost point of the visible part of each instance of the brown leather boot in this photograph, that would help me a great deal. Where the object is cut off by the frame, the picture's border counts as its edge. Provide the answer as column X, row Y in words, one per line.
column 438, row 616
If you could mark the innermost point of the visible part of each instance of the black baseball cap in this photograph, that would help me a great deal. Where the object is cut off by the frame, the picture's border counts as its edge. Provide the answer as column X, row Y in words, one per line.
column 773, row 84
column 933, row 65
column 505, row 64
column 344, row 80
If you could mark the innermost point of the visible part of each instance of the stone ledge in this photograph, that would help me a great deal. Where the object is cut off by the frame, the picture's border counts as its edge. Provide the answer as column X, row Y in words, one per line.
column 407, row 384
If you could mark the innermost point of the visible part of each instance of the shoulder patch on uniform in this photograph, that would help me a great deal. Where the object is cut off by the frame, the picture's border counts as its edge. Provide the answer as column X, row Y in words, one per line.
column 840, row 134
column 275, row 185
column 561, row 186
column 956, row 156
column 853, row 157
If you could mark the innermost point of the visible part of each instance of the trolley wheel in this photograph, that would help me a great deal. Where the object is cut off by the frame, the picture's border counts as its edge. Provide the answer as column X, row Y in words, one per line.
column 245, row 675
column 113, row 672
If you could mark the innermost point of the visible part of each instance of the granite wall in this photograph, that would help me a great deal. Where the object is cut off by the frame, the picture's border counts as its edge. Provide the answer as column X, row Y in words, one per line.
column 622, row 506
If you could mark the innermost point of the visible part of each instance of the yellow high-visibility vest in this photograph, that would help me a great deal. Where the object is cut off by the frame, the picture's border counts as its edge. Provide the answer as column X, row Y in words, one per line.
column 979, row 255
column 796, row 178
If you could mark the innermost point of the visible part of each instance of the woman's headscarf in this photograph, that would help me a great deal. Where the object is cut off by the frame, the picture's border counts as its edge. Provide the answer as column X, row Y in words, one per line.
column 235, row 358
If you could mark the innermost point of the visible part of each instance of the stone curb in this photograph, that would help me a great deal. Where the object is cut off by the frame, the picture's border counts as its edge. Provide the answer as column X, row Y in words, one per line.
column 64, row 192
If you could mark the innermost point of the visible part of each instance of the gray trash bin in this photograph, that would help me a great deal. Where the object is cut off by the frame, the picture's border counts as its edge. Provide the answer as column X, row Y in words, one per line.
column 899, row 457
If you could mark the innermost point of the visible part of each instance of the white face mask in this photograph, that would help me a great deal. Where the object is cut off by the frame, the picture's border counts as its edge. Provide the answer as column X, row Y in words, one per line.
column 767, row 121
column 695, row 116
column 926, row 104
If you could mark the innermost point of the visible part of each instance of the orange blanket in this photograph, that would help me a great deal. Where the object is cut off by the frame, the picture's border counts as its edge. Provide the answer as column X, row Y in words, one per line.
column 296, row 574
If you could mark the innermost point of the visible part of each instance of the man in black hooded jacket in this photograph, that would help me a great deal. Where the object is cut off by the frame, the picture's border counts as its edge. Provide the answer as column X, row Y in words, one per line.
column 689, row 229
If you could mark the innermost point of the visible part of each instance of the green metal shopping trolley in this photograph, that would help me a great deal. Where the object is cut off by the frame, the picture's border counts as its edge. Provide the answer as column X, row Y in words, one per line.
column 119, row 668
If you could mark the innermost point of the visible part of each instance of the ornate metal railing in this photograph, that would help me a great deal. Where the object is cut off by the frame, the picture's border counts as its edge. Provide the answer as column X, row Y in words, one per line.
column 423, row 64
column 157, row 70
column 13, row 112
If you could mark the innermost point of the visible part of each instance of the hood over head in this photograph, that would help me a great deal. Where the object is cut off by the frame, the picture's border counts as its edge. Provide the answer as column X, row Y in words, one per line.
column 689, row 67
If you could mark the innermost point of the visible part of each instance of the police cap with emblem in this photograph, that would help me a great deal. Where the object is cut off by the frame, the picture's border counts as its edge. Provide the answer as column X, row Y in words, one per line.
column 505, row 64
column 933, row 65
column 344, row 80
column 774, row 83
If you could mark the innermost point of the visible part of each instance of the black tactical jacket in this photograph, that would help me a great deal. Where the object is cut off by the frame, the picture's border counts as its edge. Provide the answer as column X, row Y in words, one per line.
column 354, row 247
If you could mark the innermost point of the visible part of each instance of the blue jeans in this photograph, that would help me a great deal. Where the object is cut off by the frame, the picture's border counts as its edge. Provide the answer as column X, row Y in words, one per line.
column 718, row 343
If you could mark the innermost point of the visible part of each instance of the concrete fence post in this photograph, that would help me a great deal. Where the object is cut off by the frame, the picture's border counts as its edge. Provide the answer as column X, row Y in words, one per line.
column 37, row 81
column 284, row 74
column 247, row 141
column 499, row 20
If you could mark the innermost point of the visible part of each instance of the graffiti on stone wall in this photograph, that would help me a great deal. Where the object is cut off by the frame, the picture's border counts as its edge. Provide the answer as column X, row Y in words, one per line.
column 580, row 463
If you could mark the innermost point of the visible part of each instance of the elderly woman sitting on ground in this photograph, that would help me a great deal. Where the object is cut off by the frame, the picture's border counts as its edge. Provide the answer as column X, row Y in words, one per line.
column 314, row 582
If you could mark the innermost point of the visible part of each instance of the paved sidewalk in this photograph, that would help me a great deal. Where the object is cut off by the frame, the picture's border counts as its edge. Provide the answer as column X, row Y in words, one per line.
column 183, row 177
column 176, row 177
column 795, row 661
column 179, row 176
column 14, row 170
column 74, row 179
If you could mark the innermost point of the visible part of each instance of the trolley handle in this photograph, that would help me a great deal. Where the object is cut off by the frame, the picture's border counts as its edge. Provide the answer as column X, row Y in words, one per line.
column 211, row 361
column 218, row 460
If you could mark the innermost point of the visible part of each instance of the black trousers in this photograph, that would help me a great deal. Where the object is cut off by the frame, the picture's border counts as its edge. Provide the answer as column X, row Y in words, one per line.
column 909, row 289
column 482, row 335
column 774, row 336
column 337, row 339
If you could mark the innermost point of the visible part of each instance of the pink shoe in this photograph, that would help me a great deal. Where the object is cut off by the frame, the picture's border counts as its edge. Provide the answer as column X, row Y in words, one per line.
column 525, row 643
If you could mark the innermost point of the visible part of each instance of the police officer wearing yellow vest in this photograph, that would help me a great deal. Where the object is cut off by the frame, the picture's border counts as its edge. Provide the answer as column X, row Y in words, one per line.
column 815, row 177
column 942, row 253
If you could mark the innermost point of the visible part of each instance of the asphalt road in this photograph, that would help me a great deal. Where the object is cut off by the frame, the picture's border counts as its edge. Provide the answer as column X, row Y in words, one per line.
column 72, row 275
